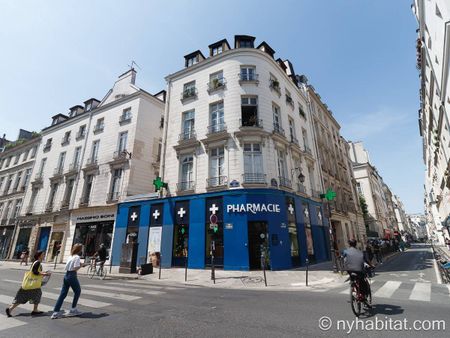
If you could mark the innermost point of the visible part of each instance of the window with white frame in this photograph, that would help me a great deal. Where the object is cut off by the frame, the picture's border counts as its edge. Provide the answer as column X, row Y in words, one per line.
column 7, row 213
column 8, row 184
column 16, row 159
column 189, row 90
column 216, row 80
column 282, row 166
column 217, row 117
column 51, row 199
column 27, row 178
column 94, row 151
column 17, row 208
column 248, row 73
column 126, row 115
column 115, row 183
column 18, row 179
column 253, row 163
column 122, row 142
column 42, row 167
column 292, row 130
column 62, row 158
column 217, row 50
column 216, row 166
column 249, row 111
column 188, row 130
column 276, row 118
column 76, row 157
column 25, row 155
column 187, row 173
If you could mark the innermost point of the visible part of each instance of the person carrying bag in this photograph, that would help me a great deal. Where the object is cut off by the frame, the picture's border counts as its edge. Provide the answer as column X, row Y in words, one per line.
column 30, row 290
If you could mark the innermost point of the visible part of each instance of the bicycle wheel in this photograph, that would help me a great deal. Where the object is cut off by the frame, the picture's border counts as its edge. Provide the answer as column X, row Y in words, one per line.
column 88, row 271
column 103, row 273
column 369, row 296
column 354, row 301
column 93, row 272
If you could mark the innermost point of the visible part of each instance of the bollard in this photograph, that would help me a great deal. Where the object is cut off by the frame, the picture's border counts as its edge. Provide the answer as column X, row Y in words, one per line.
column 56, row 260
column 185, row 267
column 160, row 259
column 263, row 263
column 110, row 264
column 213, row 271
column 307, row 270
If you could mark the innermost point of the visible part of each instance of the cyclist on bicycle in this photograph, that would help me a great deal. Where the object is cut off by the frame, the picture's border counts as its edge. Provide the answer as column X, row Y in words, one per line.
column 100, row 255
column 354, row 263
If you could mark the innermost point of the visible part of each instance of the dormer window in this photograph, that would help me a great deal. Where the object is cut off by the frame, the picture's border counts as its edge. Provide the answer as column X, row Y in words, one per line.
column 191, row 61
column 216, row 50
column 88, row 106
column 193, row 58
column 246, row 44
column 244, row 41
column 218, row 47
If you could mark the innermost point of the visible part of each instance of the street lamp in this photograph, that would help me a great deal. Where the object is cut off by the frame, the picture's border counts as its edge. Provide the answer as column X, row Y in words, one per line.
column 300, row 176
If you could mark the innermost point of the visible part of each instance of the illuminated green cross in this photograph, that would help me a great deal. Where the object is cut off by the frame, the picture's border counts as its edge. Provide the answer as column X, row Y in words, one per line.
column 329, row 196
column 158, row 183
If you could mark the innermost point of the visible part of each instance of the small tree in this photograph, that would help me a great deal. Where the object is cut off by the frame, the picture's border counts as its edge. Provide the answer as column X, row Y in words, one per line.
column 365, row 211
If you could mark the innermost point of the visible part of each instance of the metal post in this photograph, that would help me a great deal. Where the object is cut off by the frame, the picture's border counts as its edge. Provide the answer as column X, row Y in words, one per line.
column 307, row 270
column 160, row 259
column 110, row 264
column 56, row 259
column 213, row 272
column 263, row 263
column 185, row 266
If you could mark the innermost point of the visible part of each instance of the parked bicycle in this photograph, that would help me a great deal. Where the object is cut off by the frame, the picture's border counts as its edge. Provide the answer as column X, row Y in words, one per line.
column 96, row 268
column 360, row 294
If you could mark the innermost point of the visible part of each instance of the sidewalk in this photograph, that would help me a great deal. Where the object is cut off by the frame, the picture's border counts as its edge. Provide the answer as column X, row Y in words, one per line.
column 320, row 277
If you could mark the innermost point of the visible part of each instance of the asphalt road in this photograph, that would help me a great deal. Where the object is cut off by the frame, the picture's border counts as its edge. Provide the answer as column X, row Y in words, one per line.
column 125, row 308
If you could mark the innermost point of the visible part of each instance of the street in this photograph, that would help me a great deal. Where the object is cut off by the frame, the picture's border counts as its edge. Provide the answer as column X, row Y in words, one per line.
column 404, row 288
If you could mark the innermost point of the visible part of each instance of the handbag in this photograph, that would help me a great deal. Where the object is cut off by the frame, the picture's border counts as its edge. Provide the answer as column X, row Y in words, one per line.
column 32, row 281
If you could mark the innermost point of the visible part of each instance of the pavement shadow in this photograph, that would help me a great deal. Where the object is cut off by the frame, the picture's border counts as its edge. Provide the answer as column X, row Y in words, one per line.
column 90, row 315
column 384, row 309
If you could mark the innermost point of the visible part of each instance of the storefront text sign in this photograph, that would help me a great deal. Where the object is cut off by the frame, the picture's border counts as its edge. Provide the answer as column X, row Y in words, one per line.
column 93, row 218
column 253, row 208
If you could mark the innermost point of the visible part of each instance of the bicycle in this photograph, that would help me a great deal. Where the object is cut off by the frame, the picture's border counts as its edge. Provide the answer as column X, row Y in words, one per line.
column 96, row 268
column 357, row 298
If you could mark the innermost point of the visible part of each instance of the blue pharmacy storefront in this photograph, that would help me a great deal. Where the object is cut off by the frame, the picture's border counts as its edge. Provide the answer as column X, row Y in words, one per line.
column 241, row 223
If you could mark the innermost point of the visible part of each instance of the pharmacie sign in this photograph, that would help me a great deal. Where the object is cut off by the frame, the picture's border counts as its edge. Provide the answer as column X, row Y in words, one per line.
column 253, row 208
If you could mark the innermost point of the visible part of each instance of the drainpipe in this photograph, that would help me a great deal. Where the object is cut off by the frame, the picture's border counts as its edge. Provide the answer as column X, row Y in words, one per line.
column 166, row 124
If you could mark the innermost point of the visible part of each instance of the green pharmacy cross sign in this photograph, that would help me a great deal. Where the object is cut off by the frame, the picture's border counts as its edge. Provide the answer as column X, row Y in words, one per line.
column 158, row 183
column 329, row 195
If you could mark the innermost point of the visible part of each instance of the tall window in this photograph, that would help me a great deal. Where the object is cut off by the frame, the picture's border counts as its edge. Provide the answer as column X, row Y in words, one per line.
column 126, row 114
column 8, row 184
column 305, row 138
column 282, row 167
column 81, row 131
column 17, row 208
column 42, row 166
column 31, row 204
column 7, row 213
column 253, row 163
column 311, row 178
column 100, row 125
column 62, row 158
column 76, row 157
column 94, row 152
column 217, row 120
column 216, row 166
column 189, row 90
column 1, row 210
column 51, row 199
column 292, row 130
column 248, row 73
column 115, row 185
column 27, row 178
column 87, row 188
column 16, row 159
column 276, row 118
column 188, row 125
column 33, row 152
column 69, row 189
column 25, row 155
column 187, row 172
column 216, row 80
column 18, row 179
column 359, row 188
column 249, row 110
column 2, row 179
column 122, row 143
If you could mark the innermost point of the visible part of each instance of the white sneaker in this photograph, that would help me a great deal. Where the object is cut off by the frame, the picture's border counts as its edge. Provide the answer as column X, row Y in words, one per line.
column 73, row 313
column 56, row 315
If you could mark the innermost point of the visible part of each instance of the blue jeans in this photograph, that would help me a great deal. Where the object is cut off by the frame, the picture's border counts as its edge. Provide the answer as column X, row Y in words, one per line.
column 70, row 281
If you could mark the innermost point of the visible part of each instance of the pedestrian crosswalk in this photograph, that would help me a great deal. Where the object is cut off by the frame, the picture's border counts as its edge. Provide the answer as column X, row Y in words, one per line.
column 93, row 297
column 414, row 291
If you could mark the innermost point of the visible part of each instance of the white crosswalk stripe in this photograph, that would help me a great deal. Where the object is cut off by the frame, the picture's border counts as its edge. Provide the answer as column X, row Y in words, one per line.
column 8, row 300
column 82, row 301
column 9, row 323
column 117, row 288
column 138, row 285
column 421, row 292
column 388, row 289
column 119, row 296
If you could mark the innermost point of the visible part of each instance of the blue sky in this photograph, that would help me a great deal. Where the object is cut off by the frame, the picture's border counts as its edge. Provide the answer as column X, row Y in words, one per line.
column 358, row 54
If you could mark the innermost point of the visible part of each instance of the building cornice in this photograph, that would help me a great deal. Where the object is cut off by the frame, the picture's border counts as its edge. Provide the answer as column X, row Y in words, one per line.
column 21, row 146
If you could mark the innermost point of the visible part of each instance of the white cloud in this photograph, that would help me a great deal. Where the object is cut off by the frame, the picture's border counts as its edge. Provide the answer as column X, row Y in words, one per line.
column 362, row 126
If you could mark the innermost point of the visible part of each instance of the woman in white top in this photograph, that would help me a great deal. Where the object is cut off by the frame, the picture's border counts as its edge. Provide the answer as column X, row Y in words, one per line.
column 70, row 281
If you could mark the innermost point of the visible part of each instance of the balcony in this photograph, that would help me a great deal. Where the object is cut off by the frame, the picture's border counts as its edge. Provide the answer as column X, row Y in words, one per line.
column 308, row 153
column 285, row 182
column 124, row 119
column 185, row 187
column 217, row 128
column 289, row 101
column 3, row 221
column 99, row 128
column 57, row 173
column 187, row 140
column 275, row 86
column 119, row 157
column 215, row 133
column 47, row 147
column 65, row 204
column 113, row 197
column 254, row 179
column 301, row 188
column 216, row 182
column 49, row 207
column 73, row 169
column 38, row 179
column 80, row 135
column 248, row 78
column 216, row 84
column 277, row 129
column 91, row 164
column 294, row 140
column 189, row 94
column 252, row 122
column 187, row 136
column 65, row 141
column 84, row 201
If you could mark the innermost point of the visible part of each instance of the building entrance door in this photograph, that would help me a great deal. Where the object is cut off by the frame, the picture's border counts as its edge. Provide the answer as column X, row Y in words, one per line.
column 43, row 239
column 257, row 236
